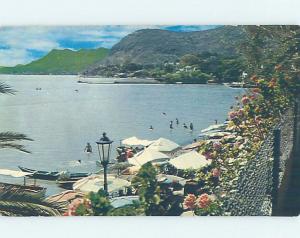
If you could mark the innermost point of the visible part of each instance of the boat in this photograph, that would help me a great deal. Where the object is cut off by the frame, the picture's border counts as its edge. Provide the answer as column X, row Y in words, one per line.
column 239, row 85
column 78, row 175
column 66, row 184
column 38, row 174
column 8, row 190
column 66, row 181
column 44, row 175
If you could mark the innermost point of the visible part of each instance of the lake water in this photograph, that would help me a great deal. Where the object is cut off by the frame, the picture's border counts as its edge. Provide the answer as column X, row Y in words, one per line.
column 61, row 121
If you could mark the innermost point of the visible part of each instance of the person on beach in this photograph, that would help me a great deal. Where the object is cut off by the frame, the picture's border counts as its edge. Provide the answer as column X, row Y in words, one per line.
column 191, row 126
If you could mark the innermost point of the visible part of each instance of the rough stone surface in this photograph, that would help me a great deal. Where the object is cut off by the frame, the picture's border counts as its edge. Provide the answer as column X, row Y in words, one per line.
column 252, row 194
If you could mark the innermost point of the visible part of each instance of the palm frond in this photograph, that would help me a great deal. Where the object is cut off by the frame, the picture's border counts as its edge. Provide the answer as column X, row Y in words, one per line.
column 8, row 139
column 16, row 208
column 6, row 89
column 13, row 146
column 12, row 136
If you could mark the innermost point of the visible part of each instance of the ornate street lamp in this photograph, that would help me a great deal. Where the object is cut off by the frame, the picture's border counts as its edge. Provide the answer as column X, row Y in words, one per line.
column 104, row 148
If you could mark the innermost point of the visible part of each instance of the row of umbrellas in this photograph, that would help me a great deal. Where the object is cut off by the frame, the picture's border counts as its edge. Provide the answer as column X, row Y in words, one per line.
column 156, row 152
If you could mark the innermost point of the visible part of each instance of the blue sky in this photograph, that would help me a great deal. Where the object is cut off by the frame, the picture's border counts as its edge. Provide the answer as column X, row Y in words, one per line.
column 21, row 45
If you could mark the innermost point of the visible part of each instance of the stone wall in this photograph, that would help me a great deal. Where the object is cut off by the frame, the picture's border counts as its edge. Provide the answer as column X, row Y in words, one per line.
column 252, row 192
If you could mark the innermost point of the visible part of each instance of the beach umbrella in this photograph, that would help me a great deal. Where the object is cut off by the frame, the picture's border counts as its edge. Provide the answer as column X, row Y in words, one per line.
column 164, row 145
column 148, row 155
column 190, row 160
column 123, row 201
column 213, row 127
column 131, row 170
column 218, row 134
column 134, row 141
column 14, row 173
column 94, row 183
column 166, row 178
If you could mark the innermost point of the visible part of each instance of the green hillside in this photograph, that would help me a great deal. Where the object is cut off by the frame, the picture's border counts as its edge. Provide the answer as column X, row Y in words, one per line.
column 60, row 62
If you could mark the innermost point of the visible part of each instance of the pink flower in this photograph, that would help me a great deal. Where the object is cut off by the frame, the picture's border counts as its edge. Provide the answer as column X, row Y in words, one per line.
column 203, row 200
column 256, row 90
column 216, row 173
column 208, row 155
column 217, row 145
column 75, row 204
column 190, row 202
column 240, row 112
column 245, row 100
column 232, row 115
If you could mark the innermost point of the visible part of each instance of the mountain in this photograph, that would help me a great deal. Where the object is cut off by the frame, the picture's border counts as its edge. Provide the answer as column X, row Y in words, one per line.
column 60, row 62
column 154, row 46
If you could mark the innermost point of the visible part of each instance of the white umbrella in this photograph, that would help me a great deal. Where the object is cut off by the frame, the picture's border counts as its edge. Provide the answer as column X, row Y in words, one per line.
column 190, row 160
column 14, row 173
column 94, row 183
column 213, row 127
column 134, row 141
column 171, row 178
column 123, row 201
column 164, row 145
column 148, row 155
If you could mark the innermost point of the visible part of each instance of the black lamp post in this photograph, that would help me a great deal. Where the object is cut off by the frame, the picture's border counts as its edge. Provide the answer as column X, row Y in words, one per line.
column 104, row 148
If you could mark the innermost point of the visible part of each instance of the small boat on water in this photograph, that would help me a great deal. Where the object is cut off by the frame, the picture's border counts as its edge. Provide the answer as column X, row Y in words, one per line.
column 239, row 85
column 8, row 190
column 44, row 175
column 38, row 174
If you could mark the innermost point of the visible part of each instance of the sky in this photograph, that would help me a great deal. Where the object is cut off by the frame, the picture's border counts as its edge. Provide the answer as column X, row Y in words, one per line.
column 23, row 44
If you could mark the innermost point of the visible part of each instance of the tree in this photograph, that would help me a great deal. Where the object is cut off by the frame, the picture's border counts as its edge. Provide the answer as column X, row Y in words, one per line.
column 9, row 139
column 21, row 205
column 148, row 189
column 272, row 47
column 189, row 59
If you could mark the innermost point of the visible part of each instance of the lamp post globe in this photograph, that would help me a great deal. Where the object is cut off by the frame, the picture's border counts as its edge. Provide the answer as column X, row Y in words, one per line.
column 104, row 150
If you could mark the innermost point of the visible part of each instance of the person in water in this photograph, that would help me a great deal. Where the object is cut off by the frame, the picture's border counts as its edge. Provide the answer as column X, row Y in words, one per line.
column 177, row 121
column 151, row 128
column 164, row 113
column 171, row 124
column 185, row 126
column 191, row 126
column 216, row 121
column 88, row 148
column 104, row 137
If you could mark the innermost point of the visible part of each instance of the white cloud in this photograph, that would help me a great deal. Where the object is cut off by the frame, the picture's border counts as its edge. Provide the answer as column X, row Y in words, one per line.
column 14, row 57
column 16, row 41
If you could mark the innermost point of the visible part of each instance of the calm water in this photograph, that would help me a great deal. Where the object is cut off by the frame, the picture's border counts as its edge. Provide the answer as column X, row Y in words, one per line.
column 61, row 120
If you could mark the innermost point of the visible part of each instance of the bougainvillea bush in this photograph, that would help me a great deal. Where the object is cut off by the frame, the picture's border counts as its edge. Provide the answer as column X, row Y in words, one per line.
column 250, row 120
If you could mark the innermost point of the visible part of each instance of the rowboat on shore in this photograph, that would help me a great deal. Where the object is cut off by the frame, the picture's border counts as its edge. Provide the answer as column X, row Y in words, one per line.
column 44, row 175
column 66, row 184
column 8, row 190
column 69, row 179
column 38, row 174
